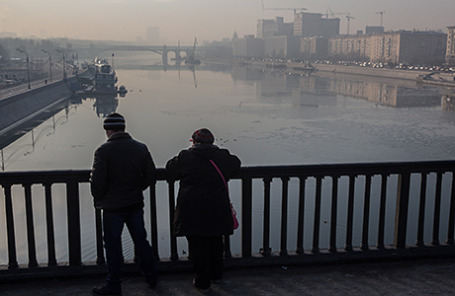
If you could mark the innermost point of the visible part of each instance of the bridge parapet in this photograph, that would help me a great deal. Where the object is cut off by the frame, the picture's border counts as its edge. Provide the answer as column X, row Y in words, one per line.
column 342, row 212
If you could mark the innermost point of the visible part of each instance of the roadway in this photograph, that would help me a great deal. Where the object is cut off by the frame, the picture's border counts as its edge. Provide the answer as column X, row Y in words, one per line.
column 421, row 277
column 23, row 87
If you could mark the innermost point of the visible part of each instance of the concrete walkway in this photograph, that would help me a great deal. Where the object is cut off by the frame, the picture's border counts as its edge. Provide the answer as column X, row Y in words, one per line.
column 422, row 277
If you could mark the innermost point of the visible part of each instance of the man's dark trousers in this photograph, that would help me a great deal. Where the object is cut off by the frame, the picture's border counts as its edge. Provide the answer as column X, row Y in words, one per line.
column 112, row 226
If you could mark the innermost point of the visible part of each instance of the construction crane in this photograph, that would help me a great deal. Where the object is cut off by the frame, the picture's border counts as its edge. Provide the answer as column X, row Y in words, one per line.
column 349, row 18
column 332, row 14
column 382, row 14
column 294, row 9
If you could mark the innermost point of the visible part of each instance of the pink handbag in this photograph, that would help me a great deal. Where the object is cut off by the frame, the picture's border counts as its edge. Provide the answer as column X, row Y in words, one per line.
column 234, row 213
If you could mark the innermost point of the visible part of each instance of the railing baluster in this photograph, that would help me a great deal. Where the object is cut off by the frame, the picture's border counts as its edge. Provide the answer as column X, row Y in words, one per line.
column 12, row 257
column 317, row 215
column 284, row 215
column 366, row 213
column 382, row 208
column 50, row 225
column 404, row 172
column 74, row 226
column 153, row 222
column 451, row 223
column 173, row 238
column 333, row 216
column 437, row 210
column 32, row 262
column 350, row 214
column 402, row 209
column 247, row 192
column 266, row 250
column 422, row 206
column 300, row 228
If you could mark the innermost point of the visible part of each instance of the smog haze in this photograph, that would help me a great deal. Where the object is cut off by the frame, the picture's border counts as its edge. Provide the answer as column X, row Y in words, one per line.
column 128, row 20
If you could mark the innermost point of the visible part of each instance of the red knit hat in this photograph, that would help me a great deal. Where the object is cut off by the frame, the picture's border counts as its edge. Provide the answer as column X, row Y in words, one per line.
column 203, row 136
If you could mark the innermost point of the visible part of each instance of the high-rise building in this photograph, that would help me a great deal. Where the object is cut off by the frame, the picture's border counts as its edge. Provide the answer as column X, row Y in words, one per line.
column 450, row 51
column 313, row 25
column 281, row 46
column 371, row 30
column 314, row 47
column 276, row 27
column 248, row 47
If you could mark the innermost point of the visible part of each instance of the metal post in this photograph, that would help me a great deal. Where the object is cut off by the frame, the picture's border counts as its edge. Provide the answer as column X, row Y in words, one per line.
column 64, row 62
column 50, row 64
column 28, row 66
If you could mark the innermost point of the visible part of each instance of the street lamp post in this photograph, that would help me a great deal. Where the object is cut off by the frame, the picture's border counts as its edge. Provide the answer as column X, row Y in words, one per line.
column 50, row 64
column 28, row 65
column 64, row 62
column 74, row 60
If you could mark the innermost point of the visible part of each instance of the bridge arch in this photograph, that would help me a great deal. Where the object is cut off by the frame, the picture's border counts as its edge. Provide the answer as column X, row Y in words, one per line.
column 177, row 51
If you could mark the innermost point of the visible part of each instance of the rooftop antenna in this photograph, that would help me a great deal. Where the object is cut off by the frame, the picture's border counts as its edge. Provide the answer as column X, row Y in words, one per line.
column 382, row 14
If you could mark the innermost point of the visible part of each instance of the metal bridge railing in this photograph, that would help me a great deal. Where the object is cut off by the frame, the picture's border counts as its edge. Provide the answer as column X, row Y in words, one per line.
column 387, row 210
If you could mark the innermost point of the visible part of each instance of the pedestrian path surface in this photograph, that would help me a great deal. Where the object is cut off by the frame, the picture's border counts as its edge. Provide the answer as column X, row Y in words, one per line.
column 420, row 277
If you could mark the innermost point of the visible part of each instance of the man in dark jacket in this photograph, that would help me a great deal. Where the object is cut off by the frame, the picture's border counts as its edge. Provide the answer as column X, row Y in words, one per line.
column 122, row 169
column 203, row 211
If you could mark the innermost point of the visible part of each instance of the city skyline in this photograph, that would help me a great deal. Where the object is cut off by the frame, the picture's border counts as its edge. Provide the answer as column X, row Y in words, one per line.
column 128, row 20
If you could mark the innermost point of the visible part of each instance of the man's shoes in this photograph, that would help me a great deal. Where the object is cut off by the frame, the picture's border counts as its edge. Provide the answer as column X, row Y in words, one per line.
column 203, row 290
column 105, row 290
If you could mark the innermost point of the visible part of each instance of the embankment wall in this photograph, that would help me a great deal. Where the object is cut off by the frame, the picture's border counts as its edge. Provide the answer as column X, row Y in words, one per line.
column 19, row 108
column 364, row 71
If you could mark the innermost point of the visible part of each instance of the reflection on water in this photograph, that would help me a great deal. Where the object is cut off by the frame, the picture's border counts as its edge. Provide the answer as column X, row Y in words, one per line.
column 105, row 104
column 265, row 118
column 448, row 102
column 303, row 92
column 21, row 142
column 322, row 88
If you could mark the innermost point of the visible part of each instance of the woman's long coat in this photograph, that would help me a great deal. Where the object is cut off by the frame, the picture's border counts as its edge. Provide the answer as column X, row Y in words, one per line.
column 203, row 205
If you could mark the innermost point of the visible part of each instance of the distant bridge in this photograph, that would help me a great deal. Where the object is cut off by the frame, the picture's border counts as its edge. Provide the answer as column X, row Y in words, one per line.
column 161, row 50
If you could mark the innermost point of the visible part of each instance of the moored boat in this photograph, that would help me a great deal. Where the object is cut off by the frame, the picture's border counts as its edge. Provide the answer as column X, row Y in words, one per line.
column 105, row 77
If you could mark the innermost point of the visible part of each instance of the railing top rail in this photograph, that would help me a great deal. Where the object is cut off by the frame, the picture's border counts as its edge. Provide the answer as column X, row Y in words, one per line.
column 313, row 170
column 349, row 169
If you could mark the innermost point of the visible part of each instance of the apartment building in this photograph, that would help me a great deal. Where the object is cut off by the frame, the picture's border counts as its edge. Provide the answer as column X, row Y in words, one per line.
column 411, row 47
column 450, row 52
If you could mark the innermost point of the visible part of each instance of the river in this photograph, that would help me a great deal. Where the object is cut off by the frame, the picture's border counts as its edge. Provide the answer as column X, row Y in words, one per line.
column 266, row 118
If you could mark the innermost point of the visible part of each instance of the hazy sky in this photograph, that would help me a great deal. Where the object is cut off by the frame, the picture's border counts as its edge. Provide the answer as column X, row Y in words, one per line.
column 205, row 19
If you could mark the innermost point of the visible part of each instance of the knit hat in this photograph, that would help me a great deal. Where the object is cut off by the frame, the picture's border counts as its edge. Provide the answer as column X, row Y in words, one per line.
column 203, row 135
column 114, row 121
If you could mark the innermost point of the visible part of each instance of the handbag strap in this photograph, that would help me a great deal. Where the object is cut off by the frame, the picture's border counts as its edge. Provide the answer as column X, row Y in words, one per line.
column 219, row 172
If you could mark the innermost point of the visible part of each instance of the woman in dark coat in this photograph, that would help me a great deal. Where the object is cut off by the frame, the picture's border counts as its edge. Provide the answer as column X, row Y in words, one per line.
column 203, row 212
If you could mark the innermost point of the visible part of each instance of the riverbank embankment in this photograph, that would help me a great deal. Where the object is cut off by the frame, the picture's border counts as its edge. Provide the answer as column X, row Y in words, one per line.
column 434, row 78
column 19, row 108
